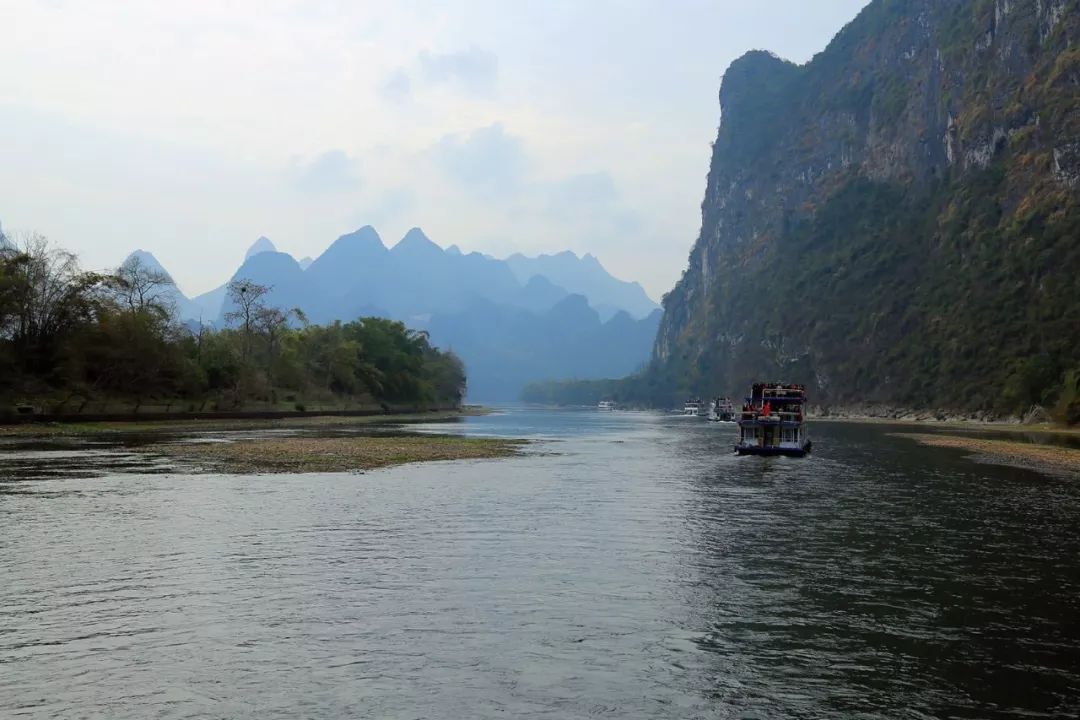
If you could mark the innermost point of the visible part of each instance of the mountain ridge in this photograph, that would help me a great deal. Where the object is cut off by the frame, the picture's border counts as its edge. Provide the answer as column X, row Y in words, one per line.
column 584, row 275
column 420, row 283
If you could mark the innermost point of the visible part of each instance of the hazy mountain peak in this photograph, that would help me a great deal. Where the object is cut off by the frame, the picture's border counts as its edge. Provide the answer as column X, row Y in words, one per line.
column 416, row 241
column 305, row 262
column 575, row 309
column 586, row 276
column 148, row 261
column 574, row 300
column 366, row 237
column 288, row 285
column 453, row 250
column 261, row 245
column 354, row 264
column 540, row 281
column 270, row 258
column 416, row 233
column 186, row 309
column 593, row 264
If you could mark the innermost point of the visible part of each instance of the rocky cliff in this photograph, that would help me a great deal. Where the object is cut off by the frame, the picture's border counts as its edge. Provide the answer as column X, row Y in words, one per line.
column 897, row 221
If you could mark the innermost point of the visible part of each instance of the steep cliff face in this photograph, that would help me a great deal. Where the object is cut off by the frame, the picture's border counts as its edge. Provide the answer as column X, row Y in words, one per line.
column 896, row 221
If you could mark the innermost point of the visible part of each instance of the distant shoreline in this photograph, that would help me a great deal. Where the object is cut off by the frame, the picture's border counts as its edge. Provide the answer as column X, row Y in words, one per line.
column 177, row 422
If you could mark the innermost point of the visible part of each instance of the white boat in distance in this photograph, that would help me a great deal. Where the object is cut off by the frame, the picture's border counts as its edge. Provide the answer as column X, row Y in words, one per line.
column 605, row 405
column 692, row 408
column 722, row 410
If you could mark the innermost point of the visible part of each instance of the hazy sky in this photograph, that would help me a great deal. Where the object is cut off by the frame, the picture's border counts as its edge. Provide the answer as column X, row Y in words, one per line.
column 191, row 128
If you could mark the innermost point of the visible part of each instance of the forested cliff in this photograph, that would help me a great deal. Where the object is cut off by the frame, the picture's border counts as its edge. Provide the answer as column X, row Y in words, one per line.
column 895, row 222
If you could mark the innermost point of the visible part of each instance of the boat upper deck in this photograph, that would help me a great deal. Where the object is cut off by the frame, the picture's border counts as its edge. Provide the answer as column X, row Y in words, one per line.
column 774, row 403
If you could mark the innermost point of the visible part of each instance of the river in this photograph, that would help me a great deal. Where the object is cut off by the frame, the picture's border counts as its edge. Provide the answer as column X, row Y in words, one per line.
column 628, row 566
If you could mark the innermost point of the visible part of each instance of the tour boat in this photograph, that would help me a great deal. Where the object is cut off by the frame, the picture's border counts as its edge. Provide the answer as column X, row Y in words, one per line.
column 692, row 408
column 606, row 405
column 773, row 421
column 722, row 410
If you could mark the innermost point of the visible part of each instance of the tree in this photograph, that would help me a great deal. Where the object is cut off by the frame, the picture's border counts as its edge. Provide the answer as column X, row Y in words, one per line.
column 10, row 292
column 247, row 300
column 11, row 275
column 49, row 296
column 446, row 377
column 141, row 288
column 67, row 334
column 273, row 322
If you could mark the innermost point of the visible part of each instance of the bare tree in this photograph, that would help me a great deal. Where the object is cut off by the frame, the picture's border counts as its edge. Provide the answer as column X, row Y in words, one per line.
column 51, row 292
column 140, row 288
column 247, row 299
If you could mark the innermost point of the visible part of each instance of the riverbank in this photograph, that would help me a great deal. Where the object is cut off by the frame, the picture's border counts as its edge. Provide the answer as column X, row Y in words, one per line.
column 154, row 425
column 330, row 454
column 1001, row 426
column 1004, row 452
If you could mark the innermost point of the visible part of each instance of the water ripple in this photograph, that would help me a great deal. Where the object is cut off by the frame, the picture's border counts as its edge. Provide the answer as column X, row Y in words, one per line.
column 632, row 568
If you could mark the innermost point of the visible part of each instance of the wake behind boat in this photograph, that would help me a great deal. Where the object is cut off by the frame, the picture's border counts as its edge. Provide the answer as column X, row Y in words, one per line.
column 773, row 421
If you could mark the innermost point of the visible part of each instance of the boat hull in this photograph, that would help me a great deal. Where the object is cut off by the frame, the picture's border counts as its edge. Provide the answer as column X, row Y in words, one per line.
column 772, row 451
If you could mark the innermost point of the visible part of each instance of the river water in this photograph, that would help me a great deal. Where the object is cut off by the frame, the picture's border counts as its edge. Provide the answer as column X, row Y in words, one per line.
column 628, row 566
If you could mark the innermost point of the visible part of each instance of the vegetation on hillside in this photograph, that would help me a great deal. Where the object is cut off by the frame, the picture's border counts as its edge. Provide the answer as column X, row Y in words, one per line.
column 73, row 341
column 894, row 223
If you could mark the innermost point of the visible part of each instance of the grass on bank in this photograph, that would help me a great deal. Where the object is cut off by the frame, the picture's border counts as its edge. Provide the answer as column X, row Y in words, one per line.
column 332, row 454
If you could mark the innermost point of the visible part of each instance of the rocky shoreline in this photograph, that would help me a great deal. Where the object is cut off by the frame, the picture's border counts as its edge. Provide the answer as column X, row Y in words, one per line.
column 1005, row 452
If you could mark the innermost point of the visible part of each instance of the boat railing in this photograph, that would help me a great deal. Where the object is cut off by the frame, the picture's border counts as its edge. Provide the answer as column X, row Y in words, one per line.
column 776, row 415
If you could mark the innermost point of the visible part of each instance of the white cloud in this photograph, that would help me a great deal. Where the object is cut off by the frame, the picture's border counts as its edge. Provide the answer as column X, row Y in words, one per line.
column 392, row 208
column 487, row 161
column 473, row 70
column 582, row 192
column 396, row 87
column 332, row 171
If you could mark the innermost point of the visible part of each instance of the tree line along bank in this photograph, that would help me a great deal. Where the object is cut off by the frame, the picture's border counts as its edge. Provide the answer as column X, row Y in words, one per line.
column 73, row 341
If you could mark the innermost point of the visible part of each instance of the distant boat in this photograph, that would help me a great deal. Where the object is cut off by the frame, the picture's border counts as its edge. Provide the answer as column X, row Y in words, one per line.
column 606, row 405
column 773, row 421
column 722, row 410
column 692, row 408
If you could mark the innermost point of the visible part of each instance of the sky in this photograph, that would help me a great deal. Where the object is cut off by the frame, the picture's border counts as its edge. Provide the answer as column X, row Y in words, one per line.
column 191, row 128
